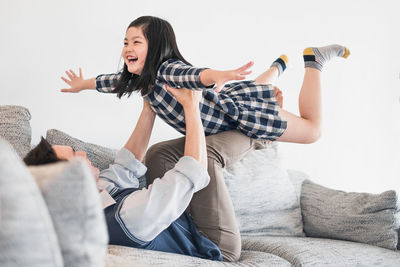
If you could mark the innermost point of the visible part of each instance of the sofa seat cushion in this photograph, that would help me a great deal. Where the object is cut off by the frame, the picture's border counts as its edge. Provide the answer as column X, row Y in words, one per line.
column 307, row 251
column 119, row 256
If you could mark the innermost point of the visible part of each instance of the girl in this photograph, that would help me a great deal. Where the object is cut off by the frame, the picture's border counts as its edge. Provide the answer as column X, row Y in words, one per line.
column 151, row 59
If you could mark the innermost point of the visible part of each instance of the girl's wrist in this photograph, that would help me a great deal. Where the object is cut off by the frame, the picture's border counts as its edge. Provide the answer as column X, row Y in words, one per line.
column 89, row 84
column 192, row 108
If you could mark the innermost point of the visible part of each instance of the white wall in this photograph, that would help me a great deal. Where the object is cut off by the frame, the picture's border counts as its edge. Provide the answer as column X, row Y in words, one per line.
column 359, row 149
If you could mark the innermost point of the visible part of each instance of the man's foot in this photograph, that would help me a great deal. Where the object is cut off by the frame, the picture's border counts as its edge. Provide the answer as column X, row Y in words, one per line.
column 316, row 57
column 280, row 63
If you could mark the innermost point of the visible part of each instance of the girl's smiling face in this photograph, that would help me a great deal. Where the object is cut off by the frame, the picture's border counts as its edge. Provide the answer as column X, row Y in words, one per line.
column 135, row 50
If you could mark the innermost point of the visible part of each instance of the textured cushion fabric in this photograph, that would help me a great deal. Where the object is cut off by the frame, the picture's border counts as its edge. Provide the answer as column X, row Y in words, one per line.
column 27, row 236
column 74, row 203
column 100, row 156
column 264, row 199
column 359, row 217
column 307, row 251
column 119, row 256
column 15, row 128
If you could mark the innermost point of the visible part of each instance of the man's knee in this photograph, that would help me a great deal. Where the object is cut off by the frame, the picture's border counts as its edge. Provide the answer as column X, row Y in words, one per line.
column 232, row 252
column 154, row 151
column 170, row 150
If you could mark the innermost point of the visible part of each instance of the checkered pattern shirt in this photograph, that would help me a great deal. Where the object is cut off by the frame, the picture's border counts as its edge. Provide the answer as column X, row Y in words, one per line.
column 246, row 106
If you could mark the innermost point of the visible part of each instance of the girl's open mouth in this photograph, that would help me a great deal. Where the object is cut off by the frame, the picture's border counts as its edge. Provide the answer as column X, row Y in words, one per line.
column 132, row 59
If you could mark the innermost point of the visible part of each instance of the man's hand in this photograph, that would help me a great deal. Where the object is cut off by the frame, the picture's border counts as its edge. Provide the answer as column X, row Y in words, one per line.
column 185, row 97
column 77, row 83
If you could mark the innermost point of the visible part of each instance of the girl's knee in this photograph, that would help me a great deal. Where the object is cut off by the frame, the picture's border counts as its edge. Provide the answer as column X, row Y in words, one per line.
column 314, row 135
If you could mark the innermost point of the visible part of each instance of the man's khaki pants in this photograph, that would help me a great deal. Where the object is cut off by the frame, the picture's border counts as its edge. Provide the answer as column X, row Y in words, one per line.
column 211, row 208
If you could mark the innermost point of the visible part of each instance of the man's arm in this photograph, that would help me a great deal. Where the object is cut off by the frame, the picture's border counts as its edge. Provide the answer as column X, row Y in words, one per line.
column 139, row 139
column 195, row 141
column 146, row 213
column 127, row 166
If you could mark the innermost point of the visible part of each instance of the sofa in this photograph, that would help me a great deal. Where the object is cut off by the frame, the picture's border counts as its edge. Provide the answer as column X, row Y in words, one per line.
column 51, row 214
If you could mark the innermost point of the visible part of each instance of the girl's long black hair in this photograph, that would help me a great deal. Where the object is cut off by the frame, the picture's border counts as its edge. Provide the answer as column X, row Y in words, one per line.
column 161, row 47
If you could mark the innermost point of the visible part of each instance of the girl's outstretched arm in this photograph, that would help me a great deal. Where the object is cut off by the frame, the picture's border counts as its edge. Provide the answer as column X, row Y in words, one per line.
column 219, row 77
column 77, row 83
column 177, row 74
column 103, row 83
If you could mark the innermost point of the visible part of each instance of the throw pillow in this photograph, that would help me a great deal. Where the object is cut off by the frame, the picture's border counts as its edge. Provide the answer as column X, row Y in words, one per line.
column 73, row 201
column 27, row 236
column 100, row 156
column 360, row 217
column 15, row 128
column 264, row 199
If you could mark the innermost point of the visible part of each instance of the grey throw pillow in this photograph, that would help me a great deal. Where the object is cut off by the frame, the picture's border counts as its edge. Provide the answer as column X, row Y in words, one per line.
column 360, row 217
column 100, row 156
column 73, row 201
column 15, row 128
column 264, row 199
column 27, row 236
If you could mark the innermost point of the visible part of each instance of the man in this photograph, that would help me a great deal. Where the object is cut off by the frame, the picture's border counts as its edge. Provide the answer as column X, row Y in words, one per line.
column 211, row 208
column 152, row 218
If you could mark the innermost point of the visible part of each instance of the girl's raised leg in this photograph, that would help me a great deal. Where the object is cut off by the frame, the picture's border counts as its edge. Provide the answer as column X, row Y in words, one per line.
column 307, row 127
column 276, row 69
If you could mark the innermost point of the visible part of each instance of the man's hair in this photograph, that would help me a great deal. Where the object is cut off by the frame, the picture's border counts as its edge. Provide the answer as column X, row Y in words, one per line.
column 43, row 153
column 162, row 46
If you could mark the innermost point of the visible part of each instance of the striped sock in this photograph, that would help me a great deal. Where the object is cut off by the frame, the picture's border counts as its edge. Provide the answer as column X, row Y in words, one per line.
column 280, row 63
column 316, row 57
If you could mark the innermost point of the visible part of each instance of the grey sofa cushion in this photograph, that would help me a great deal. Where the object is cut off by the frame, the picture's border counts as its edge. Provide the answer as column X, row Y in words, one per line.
column 264, row 198
column 72, row 198
column 119, row 256
column 27, row 236
column 15, row 128
column 307, row 251
column 359, row 217
column 100, row 156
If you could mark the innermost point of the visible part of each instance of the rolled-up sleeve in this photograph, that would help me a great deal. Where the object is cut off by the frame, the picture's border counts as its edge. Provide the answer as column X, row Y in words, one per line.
column 177, row 74
column 146, row 213
column 124, row 172
column 105, row 83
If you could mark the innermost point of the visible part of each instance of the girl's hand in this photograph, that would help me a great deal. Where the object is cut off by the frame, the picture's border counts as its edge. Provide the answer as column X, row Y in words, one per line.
column 77, row 83
column 184, row 96
column 221, row 77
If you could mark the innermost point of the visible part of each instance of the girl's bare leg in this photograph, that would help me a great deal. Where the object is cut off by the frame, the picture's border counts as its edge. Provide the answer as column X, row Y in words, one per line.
column 269, row 76
column 307, row 127
column 276, row 69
